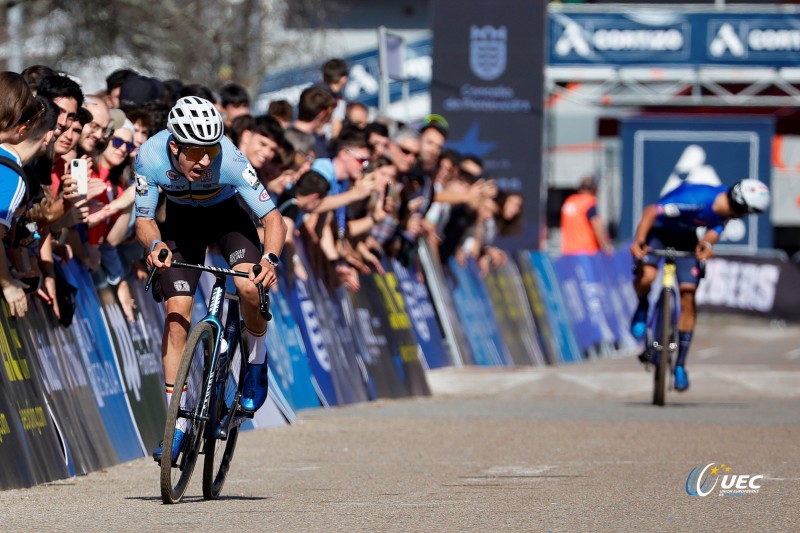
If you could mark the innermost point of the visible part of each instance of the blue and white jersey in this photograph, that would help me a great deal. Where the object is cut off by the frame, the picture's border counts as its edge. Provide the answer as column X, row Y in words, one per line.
column 229, row 173
column 12, row 189
column 688, row 207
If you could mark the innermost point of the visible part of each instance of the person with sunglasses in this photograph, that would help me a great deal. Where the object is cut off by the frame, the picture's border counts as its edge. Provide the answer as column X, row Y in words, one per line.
column 201, row 173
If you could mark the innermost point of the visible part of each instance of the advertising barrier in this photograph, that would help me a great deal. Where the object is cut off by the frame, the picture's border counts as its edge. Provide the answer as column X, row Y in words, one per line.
column 30, row 444
column 384, row 367
column 422, row 314
column 564, row 344
column 752, row 286
column 514, row 315
column 287, row 353
column 80, row 398
column 474, row 309
column 584, row 296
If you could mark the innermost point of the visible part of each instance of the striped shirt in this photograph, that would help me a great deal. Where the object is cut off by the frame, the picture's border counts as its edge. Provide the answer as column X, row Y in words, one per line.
column 12, row 189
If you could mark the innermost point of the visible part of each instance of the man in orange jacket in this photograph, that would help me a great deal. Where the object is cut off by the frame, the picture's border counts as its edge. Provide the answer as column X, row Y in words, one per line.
column 582, row 230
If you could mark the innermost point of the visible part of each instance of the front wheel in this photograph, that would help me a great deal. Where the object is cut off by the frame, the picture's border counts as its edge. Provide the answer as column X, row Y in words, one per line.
column 663, row 366
column 183, row 412
column 221, row 440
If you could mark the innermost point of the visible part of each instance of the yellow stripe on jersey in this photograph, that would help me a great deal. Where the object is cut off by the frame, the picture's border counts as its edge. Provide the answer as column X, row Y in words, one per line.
column 187, row 196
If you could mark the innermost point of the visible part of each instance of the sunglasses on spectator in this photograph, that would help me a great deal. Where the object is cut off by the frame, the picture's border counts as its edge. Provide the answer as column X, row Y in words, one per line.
column 26, row 121
column 363, row 160
column 406, row 151
column 197, row 153
column 116, row 142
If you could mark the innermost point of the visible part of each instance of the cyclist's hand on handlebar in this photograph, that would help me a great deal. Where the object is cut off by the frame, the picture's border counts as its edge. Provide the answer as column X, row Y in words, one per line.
column 639, row 250
column 160, row 257
column 266, row 276
column 704, row 250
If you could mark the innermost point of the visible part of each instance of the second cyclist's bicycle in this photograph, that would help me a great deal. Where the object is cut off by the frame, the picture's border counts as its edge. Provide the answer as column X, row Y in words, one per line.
column 208, row 388
column 661, row 346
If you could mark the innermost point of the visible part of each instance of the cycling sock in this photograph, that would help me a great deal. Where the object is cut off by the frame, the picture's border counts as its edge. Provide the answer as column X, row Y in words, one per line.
column 258, row 347
column 181, row 423
column 684, row 340
column 644, row 304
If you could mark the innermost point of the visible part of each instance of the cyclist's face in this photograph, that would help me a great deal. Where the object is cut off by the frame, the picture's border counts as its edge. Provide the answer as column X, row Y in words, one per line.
column 193, row 161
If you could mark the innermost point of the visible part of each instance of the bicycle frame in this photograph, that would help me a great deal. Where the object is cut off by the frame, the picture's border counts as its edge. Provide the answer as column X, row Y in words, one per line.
column 663, row 323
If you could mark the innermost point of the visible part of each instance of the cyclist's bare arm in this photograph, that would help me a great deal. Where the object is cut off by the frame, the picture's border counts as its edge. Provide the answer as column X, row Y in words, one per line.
column 274, row 237
column 705, row 247
column 649, row 215
column 147, row 232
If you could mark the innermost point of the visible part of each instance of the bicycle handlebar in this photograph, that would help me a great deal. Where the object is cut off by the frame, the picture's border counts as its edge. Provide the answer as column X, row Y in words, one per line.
column 263, row 295
column 670, row 252
column 162, row 256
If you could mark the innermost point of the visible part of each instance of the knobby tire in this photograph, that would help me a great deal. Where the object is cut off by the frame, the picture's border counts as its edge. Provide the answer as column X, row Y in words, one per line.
column 199, row 344
column 219, row 453
column 663, row 366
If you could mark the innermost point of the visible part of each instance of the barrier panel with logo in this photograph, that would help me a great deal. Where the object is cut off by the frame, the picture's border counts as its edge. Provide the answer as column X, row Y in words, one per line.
column 457, row 345
column 65, row 382
column 29, row 438
column 137, row 347
column 585, row 297
column 384, row 366
column 753, row 286
column 544, row 334
column 475, row 312
column 287, row 352
column 618, row 298
column 422, row 314
column 565, row 345
column 403, row 342
column 314, row 337
column 94, row 346
column 514, row 315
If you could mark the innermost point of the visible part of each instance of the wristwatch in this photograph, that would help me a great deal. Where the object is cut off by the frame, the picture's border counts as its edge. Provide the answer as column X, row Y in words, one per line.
column 271, row 258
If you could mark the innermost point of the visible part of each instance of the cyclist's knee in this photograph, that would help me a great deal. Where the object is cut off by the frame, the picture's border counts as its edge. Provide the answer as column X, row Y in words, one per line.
column 248, row 293
column 645, row 276
column 687, row 300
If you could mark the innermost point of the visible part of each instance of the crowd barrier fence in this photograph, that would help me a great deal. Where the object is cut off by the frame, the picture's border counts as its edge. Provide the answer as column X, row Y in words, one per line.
column 80, row 398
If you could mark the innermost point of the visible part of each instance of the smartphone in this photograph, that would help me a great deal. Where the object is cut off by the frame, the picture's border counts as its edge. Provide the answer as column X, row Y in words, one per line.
column 80, row 174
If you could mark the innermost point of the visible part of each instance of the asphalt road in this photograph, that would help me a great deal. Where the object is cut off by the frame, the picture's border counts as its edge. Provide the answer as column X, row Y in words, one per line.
column 547, row 449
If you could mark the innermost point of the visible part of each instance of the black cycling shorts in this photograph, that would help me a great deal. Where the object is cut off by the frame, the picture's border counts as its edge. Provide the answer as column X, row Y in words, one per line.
column 189, row 230
column 687, row 269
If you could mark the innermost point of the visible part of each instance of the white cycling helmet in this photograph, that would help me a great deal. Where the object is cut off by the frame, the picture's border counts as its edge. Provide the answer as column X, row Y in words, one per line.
column 195, row 120
column 749, row 196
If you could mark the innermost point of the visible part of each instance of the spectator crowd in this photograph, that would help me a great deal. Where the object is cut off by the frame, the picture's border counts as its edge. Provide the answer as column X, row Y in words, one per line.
column 354, row 188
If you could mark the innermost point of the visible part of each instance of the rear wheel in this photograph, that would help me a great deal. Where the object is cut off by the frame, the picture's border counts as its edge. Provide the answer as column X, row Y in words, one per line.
column 182, row 413
column 662, row 368
column 225, row 398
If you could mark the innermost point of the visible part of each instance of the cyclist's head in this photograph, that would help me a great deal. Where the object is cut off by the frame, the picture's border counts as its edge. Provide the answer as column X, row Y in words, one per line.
column 749, row 197
column 196, row 121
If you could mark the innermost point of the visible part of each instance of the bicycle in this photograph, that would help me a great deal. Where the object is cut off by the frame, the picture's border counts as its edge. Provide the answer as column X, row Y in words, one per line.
column 660, row 344
column 208, row 388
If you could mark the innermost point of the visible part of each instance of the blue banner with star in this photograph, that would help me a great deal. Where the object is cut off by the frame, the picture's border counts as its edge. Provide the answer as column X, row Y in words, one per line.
column 488, row 86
